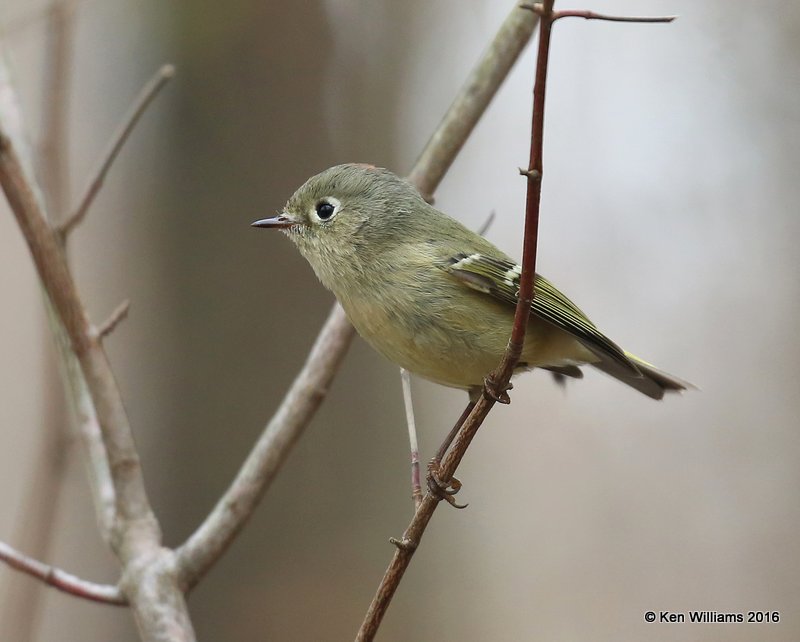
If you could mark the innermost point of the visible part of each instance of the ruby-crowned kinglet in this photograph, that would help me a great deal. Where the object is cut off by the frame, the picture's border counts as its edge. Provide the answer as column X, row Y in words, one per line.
column 433, row 296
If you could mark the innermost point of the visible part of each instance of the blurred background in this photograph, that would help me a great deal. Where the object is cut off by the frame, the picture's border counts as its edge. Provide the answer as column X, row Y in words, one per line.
column 669, row 214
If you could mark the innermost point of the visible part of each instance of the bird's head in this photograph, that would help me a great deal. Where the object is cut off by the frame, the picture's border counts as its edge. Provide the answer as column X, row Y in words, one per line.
column 343, row 218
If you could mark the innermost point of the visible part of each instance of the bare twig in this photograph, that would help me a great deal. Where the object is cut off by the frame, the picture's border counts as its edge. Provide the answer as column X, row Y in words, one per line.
column 143, row 100
column 62, row 292
column 148, row 569
column 538, row 7
column 119, row 314
column 63, row 581
column 502, row 375
column 416, row 485
column 591, row 15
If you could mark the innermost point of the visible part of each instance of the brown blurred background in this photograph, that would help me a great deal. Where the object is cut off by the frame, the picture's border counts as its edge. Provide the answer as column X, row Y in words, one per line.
column 669, row 213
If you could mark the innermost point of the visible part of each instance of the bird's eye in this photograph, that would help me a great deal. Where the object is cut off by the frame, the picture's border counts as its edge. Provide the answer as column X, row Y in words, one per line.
column 326, row 209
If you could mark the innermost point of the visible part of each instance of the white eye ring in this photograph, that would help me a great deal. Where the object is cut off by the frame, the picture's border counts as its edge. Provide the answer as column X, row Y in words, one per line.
column 325, row 209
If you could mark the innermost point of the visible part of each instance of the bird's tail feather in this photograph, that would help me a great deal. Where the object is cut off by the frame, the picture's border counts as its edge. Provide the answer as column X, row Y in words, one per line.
column 652, row 382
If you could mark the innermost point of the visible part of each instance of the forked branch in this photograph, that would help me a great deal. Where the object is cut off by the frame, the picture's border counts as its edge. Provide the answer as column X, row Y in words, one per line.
column 148, row 570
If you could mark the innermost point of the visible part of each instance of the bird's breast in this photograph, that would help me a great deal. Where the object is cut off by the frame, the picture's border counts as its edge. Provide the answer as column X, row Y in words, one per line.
column 438, row 333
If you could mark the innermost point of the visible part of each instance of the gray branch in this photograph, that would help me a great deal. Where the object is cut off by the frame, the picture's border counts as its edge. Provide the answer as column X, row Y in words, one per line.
column 148, row 569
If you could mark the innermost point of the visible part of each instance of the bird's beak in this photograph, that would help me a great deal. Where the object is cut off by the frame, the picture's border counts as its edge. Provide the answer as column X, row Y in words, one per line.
column 276, row 222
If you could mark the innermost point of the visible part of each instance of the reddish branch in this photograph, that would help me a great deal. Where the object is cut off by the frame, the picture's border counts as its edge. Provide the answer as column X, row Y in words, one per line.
column 406, row 546
column 532, row 202
column 497, row 383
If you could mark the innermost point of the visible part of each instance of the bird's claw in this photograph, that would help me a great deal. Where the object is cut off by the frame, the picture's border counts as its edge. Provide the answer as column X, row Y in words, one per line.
column 492, row 391
column 443, row 489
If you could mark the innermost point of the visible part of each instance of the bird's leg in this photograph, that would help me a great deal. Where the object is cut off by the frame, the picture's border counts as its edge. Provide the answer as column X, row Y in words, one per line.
column 445, row 489
column 453, row 432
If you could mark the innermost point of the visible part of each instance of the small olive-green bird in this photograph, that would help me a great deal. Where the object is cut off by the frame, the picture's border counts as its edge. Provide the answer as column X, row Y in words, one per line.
column 433, row 296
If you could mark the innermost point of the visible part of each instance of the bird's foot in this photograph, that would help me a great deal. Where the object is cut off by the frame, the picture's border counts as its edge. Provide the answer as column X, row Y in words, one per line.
column 440, row 488
column 499, row 394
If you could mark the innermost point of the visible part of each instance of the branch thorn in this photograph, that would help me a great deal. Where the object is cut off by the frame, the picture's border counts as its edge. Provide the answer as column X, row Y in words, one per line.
column 530, row 174
column 404, row 544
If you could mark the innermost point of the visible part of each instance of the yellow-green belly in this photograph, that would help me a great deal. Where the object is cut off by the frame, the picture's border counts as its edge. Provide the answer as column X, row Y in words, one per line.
column 458, row 347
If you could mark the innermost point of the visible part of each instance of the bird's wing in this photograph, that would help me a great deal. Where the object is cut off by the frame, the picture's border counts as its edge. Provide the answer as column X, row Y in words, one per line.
column 499, row 278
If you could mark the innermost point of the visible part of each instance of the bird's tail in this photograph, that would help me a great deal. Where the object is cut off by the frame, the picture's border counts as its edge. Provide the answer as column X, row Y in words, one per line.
column 652, row 381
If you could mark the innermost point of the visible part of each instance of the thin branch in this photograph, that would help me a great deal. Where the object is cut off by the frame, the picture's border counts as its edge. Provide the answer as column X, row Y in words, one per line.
column 143, row 100
column 63, row 294
column 218, row 530
column 416, row 485
column 61, row 580
column 497, row 383
column 502, row 375
column 119, row 314
column 148, row 578
column 591, row 15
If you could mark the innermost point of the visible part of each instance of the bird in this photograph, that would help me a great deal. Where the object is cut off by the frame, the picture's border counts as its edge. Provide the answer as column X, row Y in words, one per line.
column 435, row 297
